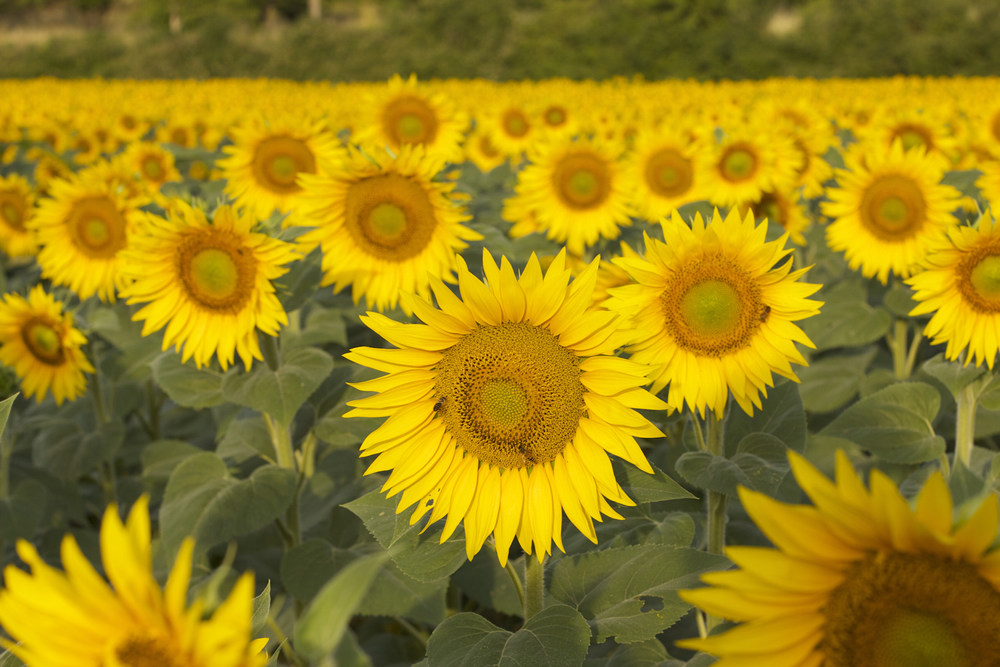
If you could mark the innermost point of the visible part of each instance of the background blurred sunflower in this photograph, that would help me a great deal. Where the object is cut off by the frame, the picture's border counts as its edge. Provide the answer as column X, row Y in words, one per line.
column 17, row 205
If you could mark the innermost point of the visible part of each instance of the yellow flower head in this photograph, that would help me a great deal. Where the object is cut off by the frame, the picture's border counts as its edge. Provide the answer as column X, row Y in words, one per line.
column 504, row 406
column 859, row 578
column 384, row 225
column 41, row 344
column 714, row 308
column 888, row 209
column 664, row 172
column 748, row 161
column 17, row 205
column 75, row 618
column 209, row 284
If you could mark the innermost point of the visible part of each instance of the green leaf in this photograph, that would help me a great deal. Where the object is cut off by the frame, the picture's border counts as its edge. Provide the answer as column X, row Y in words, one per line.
column 846, row 319
column 261, row 609
column 202, row 500
column 279, row 393
column 899, row 299
column 340, row 432
column 66, row 448
column 306, row 567
column 8, row 659
column 349, row 653
column 323, row 625
column 894, row 423
column 5, row 411
column 761, row 463
column 557, row 636
column 640, row 526
column 297, row 286
column 781, row 415
column 245, row 439
column 830, row 383
column 21, row 513
column 966, row 485
column 645, row 488
column 952, row 374
column 611, row 588
column 964, row 181
column 185, row 384
column 159, row 458
column 419, row 556
column 483, row 580
column 989, row 398
column 323, row 325
column 649, row 653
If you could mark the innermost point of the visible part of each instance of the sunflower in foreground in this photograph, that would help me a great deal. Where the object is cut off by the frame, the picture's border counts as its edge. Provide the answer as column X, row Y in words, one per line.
column 75, row 618
column 714, row 308
column 960, row 284
column 267, row 157
column 17, row 205
column 384, row 224
column 209, row 284
column 577, row 192
column 889, row 208
column 859, row 579
column 81, row 230
column 504, row 406
column 41, row 344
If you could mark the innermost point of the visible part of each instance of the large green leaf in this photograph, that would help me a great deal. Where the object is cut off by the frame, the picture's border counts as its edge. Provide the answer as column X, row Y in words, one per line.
column 245, row 439
column 325, row 620
column 21, row 513
column 185, row 384
column 71, row 449
column 203, row 501
column 894, row 423
column 557, row 636
column 650, row 653
column 952, row 374
column 645, row 488
column 830, row 383
column 612, row 587
column 846, row 319
column 279, row 393
column 781, row 415
column 261, row 608
column 308, row 566
column 641, row 525
column 5, row 411
column 483, row 580
column 159, row 459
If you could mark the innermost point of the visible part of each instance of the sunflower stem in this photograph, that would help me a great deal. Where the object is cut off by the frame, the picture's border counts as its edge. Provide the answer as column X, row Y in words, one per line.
column 284, row 452
column 534, row 593
column 718, row 503
column 516, row 580
column 897, row 342
column 965, row 423
column 269, row 350
column 911, row 356
column 699, row 434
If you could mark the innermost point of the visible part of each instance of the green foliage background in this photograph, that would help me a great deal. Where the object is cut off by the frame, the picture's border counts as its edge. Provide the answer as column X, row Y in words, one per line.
column 508, row 39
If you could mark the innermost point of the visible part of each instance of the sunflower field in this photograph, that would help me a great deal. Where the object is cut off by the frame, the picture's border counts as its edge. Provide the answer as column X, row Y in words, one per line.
column 464, row 373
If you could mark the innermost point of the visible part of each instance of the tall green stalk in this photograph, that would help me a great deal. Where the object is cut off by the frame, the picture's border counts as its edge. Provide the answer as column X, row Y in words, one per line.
column 534, row 590
column 965, row 423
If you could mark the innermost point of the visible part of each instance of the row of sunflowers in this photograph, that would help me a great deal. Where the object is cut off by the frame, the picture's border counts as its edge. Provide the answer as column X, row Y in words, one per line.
column 579, row 300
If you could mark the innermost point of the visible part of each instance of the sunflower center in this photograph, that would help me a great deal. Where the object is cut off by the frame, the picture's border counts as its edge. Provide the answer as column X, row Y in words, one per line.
column 738, row 164
column 979, row 279
column 712, row 307
column 142, row 651
column 913, row 137
column 513, row 394
column 668, row 173
column 12, row 211
column 389, row 216
column 582, row 181
column 803, row 151
column 217, row 271
column 770, row 207
column 487, row 147
column 179, row 136
column 893, row 208
column 409, row 120
column 97, row 227
column 912, row 610
column 515, row 123
column 44, row 341
column 278, row 160
column 152, row 168
column 555, row 116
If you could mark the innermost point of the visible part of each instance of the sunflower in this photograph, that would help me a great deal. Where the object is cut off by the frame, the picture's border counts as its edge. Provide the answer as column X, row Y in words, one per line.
column 503, row 407
column 784, row 208
column 748, row 161
column 41, row 344
column 209, row 284
column 577, row 192
column 266, row 159
column 404, row 114
column 511, row 128
column 384, row 224
column 81, row 229
column 75, row 618
column 153, row 165
column 960, row 285
column 714, row 310
column 480, row 151
column 888, row 208
column 17, row 205
column 989, row 183
column 663, row 172
column 859, row 579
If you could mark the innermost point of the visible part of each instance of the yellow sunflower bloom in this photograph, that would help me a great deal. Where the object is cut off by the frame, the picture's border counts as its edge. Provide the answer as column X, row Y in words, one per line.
column 714, row 310
column 960, row 284
column 577, row 193
column 151, row 164
column 664, row 173
column 71, row 618
column 989, row 183
column 859, row 578
column 384, row 224
column 889, row 207
column 17, row 205
column 783, row 208
column 41, row 344
column 480, row 151
column 82, row 230
column 503, row 407
column 208, row 284
column 266, row 159
column 748, row 161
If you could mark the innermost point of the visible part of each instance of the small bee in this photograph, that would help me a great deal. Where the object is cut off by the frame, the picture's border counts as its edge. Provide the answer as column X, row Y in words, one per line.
column 526, row 456
column 763, row 315
column 439, row 403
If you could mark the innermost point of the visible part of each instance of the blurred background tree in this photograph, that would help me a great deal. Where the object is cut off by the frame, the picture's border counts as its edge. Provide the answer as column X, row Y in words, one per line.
column 498, row 39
